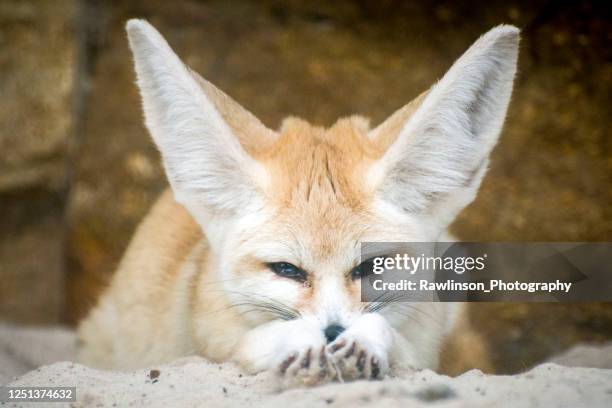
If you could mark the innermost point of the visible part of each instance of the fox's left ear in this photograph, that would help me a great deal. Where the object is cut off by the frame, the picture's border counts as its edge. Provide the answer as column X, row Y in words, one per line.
column 436, row 157
column 207, row 141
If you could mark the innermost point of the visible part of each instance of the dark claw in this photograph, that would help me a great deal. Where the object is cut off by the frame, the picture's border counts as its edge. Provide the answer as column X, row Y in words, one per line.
column 338, row 345
column 361, row 361
column 375, row 367
column 306, row 360
column 288, row 361
column 322, row 364
column 322, row 358
column 350, row 351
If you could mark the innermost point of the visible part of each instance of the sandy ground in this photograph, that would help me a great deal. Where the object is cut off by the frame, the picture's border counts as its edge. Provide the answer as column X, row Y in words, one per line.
column 195, row 382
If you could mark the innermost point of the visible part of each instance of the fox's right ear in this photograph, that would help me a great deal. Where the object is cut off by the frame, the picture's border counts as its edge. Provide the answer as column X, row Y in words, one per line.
column 205, row 138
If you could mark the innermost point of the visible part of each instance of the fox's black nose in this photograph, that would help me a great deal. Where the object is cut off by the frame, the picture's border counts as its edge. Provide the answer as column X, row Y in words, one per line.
column 333, row 331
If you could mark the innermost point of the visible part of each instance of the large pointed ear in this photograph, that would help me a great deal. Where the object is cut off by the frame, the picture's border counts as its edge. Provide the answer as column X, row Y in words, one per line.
column 437, row 148
column 207, row 141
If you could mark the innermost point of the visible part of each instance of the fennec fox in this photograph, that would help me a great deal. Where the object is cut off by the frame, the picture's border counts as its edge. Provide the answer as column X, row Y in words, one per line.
column 253, row 255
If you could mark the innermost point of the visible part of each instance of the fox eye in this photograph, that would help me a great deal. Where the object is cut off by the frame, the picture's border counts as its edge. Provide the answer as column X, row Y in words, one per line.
column 287, row 270
column 363, row 269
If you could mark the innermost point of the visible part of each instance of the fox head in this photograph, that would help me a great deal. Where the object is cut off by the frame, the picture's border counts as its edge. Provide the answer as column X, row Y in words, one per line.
column 284, row 211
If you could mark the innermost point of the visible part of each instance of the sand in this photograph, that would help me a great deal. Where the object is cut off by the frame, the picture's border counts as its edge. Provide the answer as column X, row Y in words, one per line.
column 194, row 381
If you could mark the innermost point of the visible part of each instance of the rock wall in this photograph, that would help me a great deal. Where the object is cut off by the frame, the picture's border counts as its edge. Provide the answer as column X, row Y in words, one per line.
column 37, row 63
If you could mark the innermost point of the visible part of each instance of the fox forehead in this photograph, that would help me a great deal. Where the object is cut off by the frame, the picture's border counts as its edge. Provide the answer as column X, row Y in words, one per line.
column 314, row 167
column 317, row 187
column 326, row 167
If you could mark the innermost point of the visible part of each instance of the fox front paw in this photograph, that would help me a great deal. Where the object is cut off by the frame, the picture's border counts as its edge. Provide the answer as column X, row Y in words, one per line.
column 309, row 366
column 362, row 352
column 355, row 360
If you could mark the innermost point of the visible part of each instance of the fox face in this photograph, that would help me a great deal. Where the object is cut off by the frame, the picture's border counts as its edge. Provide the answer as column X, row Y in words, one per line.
column 284, row 211
column 301, row 248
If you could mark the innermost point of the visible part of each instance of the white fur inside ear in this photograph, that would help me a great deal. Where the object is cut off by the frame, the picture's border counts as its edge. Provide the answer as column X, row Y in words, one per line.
column 437, row 161
column 205, row 163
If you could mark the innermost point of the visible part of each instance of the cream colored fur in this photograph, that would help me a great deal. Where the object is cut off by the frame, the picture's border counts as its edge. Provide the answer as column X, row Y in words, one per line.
column 196, row 279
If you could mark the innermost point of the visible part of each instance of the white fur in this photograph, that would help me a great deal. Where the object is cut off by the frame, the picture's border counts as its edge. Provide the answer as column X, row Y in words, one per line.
column 207, row 167
column 437, row 162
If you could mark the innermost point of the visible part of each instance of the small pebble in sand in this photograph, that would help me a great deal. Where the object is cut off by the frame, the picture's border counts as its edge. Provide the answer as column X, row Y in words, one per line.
column 154, row 375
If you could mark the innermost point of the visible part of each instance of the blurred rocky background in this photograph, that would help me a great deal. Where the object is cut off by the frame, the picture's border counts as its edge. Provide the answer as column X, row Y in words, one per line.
column 78, row 171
